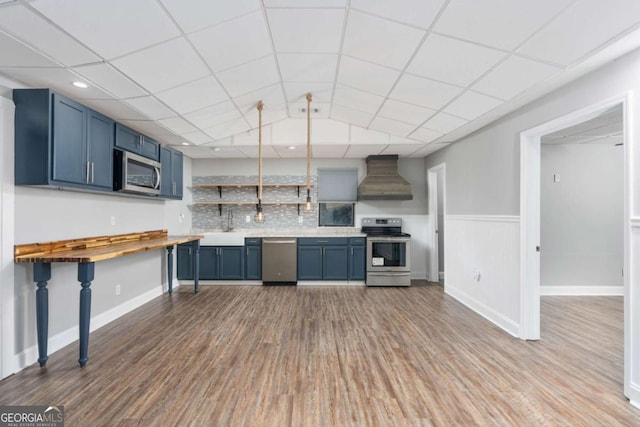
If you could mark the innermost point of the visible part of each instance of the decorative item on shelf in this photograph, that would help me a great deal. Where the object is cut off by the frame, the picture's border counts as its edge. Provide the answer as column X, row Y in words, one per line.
column 259, row 218
column 308, row 207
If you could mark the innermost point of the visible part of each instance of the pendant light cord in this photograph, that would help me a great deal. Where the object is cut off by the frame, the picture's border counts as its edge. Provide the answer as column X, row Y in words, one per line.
column 308, row 142
column 260, row 105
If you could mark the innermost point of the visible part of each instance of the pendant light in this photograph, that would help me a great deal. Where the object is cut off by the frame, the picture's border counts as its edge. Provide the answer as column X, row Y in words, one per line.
column 259, row 218
column 308, row 207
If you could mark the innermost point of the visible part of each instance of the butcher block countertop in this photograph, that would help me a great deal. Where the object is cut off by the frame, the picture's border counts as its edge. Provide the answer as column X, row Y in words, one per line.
column 92, row 249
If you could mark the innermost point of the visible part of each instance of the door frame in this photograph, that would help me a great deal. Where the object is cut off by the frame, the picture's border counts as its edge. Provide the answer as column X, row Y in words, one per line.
column 530, row 160
column 432, row 186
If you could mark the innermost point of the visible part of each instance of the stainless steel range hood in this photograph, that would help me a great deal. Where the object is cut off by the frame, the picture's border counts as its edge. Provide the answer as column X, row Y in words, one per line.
column 383, row 182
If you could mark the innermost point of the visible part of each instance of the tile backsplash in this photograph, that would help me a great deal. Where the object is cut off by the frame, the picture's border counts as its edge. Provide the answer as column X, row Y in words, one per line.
column 208, row 217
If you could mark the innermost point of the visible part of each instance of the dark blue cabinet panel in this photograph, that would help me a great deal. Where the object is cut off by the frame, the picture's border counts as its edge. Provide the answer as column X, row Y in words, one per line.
column 185, row 262
column 166, row 186
column 171, row 164
column 209, row 263
column 176, row 173
column 309, row 262
column 100, row 137
column 253, row 262
column 357, row 262
column 335, row 263
column 231, row 262
column 61, row 143
column 135, row 142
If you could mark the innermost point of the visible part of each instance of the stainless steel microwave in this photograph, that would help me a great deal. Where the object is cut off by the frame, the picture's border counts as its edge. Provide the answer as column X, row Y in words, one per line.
column 136, row 174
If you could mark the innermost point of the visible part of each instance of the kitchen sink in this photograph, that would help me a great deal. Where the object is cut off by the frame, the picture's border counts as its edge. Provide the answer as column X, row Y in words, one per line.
column 223, row 239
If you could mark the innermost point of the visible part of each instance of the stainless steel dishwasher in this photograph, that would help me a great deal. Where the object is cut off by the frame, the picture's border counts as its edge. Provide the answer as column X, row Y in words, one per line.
column 279, row 261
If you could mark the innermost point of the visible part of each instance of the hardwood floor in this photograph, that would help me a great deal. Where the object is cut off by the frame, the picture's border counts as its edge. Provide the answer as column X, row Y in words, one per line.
column 328, row 356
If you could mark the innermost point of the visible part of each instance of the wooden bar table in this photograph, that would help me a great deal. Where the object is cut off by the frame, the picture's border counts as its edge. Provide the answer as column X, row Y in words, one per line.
column 86, row 252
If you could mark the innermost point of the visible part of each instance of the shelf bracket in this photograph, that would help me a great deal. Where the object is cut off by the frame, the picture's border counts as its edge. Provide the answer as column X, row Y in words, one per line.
column 257, row 191
column 219, row 209
column 298, row 203
column 298, row 198
column 220, row 191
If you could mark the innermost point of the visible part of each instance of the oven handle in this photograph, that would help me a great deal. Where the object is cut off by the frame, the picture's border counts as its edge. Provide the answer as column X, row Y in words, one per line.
column 375, row 273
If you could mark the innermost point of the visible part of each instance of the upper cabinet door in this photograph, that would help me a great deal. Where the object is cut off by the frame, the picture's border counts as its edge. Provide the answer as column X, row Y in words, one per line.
column 127, row 139
column 69, row 133
column 149, row 148
column 176, row 172
column 100, row 136
column 166, row 182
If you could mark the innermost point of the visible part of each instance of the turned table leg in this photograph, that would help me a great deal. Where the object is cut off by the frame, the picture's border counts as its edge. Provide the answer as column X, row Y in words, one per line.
column 85, row 277
column 170, row 268
column 41, row 274
column 196, row 266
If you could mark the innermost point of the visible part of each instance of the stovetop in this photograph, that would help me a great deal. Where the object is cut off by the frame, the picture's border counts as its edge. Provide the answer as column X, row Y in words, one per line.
column 383, row 227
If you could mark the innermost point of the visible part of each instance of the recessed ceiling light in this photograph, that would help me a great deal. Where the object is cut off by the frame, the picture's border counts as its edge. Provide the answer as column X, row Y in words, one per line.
column 185, row 143
column 81, row 85
column 291, row 147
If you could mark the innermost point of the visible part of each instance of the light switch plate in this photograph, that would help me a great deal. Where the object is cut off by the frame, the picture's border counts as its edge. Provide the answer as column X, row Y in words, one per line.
column 556, row 177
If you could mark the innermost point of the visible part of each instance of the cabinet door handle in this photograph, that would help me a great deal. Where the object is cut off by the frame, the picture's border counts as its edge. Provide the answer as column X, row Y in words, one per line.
column 87, row 177
column 93, row 170
column 189, row 251
column 351, row 251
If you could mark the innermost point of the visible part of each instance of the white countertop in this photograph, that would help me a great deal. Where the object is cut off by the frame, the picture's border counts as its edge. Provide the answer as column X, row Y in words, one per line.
column 237, row 236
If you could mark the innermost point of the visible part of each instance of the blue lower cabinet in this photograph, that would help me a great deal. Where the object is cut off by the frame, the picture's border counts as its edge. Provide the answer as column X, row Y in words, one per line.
column 209, row 263
column 310, row 262
column 357, row 258
column 185, row 262
column 335, row 263
column 231, row 262
column 253, row 259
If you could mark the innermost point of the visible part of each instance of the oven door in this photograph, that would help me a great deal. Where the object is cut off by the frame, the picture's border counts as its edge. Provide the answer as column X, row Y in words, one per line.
column 388, row 254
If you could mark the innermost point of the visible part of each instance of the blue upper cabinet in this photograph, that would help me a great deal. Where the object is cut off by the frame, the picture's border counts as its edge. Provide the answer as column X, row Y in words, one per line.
column 61, row 143
column 135, row 142
column 171, row 182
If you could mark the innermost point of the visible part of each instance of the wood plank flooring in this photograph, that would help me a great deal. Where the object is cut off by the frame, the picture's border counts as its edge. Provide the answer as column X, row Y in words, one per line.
column 329, row 356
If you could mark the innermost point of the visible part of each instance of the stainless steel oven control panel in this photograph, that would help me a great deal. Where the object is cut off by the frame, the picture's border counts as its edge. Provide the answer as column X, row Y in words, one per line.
column 382, row 222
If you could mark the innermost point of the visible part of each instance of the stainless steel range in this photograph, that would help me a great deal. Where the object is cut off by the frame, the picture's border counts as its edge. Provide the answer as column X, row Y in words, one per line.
column 388, row 252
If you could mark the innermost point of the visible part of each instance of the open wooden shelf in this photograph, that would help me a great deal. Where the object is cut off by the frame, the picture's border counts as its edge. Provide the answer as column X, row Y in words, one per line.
column 220, row 186
column 226, row 203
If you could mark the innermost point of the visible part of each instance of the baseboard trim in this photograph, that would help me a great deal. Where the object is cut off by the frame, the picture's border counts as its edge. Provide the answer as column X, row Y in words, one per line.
column 224, row 282
column 441, row 275
column 331, row 283
column 29, row 356
column 582, row 290
column 488, row 313
column 492, row 218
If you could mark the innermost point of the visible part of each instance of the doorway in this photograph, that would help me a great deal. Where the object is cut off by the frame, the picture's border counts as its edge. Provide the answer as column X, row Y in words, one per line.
column 436, row 183
column 530, row 221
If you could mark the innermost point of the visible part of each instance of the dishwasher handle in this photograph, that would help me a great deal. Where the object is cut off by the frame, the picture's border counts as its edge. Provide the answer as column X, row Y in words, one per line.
column 264, row 241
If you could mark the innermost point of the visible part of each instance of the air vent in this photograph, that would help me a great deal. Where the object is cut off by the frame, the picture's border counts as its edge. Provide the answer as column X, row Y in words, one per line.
column 304, row 110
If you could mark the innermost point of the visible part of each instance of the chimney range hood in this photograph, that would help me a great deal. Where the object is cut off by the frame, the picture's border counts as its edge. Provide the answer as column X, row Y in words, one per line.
column 383, row 182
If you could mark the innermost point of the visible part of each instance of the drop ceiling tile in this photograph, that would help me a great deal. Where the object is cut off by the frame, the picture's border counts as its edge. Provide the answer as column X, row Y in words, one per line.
column 41, row 34
column 59, row 79
column 163, row 66
column 252, row 151
column 328, row 131
column 250, row 137
column 194, row 95
column 306, row 30
column 498, row 23
column 297, row 92
column 115, row 109
column 17, row 54
column 471, row 105
column 150, row 106
column 268, row 116
column 197, row 137
column 284, row 152
column 366, row 76
column 513, row 76
column 379, row 40
column 305, row 3
column 413, row 12
column 429, row 148
column 402, row 150
column 195, row 152
column 249, row 36
column 393, row 127
column 229, row 128
column 111, row 80
column 328, row 151
column 424, row 92
column 404, row 112
column 349, row 115
column 271, row 97
column 453, row 61
column 214, row 115
column 250, row 76
column 111, row 28
column 308, row 67
column 153, row 130
column 581, row 28
column 289, row 132
column 425, row 135
column 361, row 151
column 357, row 99
column 178, row 125
column 360, row 135
column 444, row 123
column 193, row 15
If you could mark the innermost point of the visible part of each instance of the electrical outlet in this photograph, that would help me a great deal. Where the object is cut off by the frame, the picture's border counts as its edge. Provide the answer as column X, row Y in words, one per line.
column 113, row 220
column 477, row 276
column 117, row 289
column 247, row 218
column 180, row 217
column 556, row 177
column 300, row 219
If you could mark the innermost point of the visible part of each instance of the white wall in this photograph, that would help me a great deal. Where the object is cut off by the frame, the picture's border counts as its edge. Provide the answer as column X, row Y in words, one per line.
column 483, row 179
column 582, row 215
column 413, row 212
column 441, row 220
